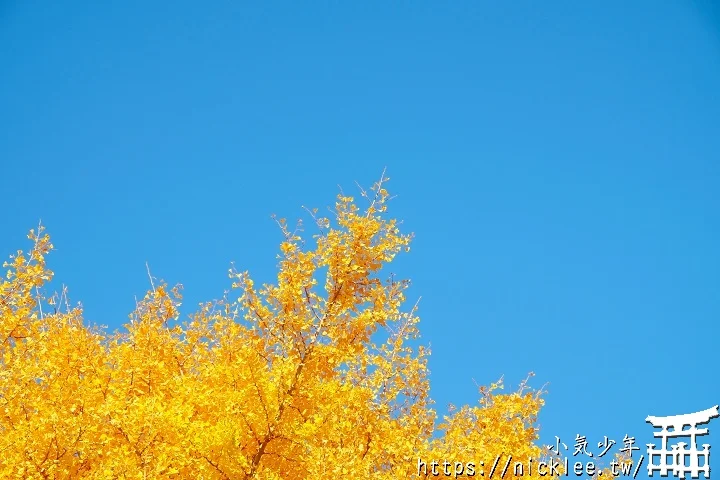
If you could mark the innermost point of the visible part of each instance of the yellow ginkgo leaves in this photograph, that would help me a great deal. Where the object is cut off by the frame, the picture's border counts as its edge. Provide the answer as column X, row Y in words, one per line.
column 282, row 381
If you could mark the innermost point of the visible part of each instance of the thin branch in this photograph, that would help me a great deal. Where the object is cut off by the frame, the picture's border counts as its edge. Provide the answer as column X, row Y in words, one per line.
column 152, row 284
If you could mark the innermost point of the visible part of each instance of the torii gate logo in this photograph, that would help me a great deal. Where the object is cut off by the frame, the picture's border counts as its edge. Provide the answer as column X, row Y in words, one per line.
column 680, row 460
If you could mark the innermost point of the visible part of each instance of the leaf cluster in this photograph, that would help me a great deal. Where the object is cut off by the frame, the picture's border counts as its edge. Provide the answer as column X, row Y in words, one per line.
column 279, row 381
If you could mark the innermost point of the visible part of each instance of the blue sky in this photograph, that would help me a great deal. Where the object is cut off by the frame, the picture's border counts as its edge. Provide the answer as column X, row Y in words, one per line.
column 557, row 161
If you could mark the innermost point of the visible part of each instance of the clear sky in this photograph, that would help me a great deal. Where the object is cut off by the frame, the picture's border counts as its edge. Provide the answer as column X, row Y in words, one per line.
column 558, row 162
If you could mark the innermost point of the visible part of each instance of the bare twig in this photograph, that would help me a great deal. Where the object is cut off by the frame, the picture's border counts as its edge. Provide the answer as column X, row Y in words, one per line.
column 152, row 284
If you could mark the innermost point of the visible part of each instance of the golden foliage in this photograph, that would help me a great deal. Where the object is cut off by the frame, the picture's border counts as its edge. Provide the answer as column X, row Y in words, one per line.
column 286, row 381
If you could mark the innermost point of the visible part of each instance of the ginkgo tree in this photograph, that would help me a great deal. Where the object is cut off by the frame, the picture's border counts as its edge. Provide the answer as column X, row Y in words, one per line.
column 291, row 380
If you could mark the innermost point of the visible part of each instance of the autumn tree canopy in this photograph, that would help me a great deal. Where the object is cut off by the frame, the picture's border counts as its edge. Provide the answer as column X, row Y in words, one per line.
column 280, row 381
